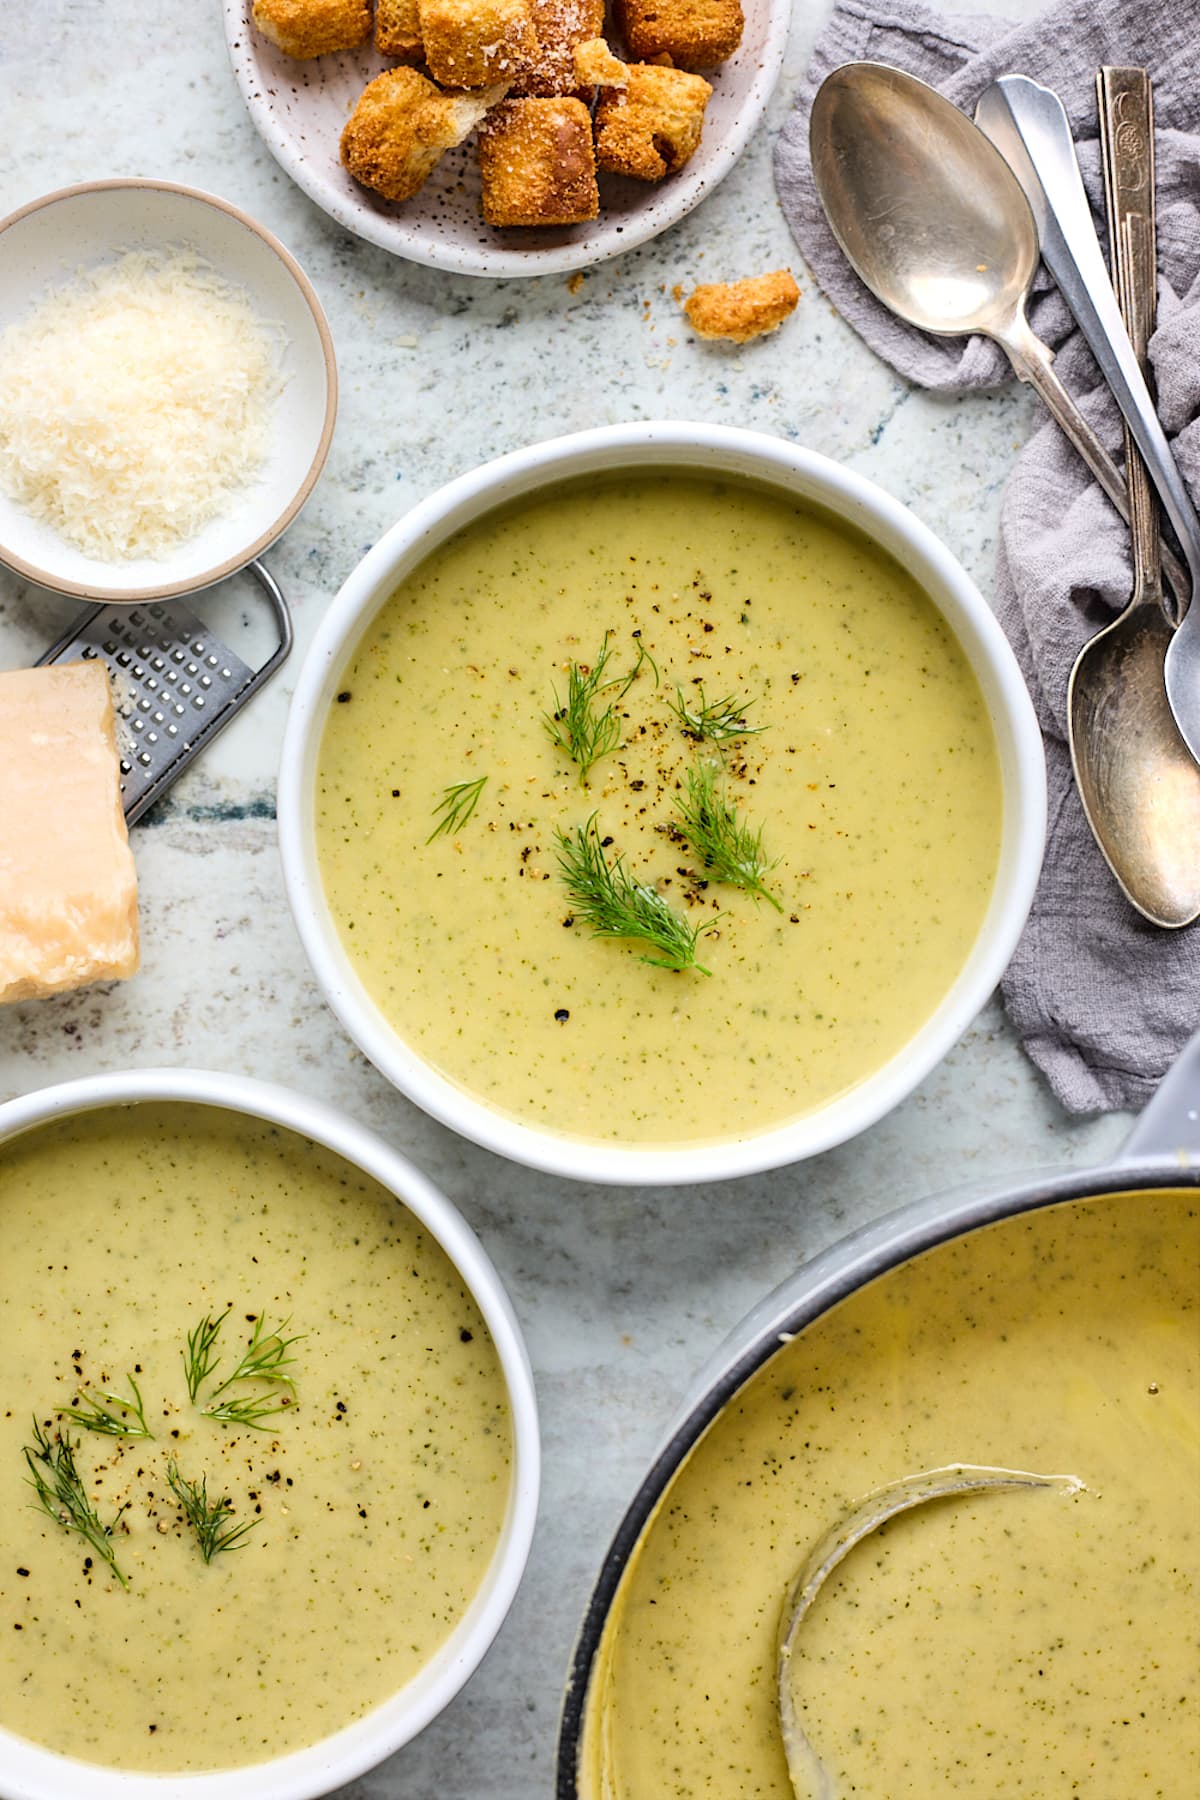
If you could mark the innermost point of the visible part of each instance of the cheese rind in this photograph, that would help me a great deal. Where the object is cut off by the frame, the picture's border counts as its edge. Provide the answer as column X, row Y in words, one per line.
column 68, row 887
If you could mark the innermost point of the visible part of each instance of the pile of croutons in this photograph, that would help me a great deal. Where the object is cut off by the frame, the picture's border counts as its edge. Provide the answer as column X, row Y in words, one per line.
column 552, row 102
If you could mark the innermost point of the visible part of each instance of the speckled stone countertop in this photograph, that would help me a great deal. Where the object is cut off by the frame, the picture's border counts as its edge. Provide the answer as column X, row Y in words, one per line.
column 623, row 1294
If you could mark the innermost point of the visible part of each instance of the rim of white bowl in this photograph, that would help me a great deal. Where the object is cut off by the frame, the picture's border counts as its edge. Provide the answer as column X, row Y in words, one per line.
column 417, row 241
column 32, row 1772
column 115, row 591
column 807, row 475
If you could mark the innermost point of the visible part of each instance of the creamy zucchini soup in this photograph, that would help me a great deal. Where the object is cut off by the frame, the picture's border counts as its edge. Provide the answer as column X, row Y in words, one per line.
column 255, row 1444
column 657, row 808
column 1033, row 1642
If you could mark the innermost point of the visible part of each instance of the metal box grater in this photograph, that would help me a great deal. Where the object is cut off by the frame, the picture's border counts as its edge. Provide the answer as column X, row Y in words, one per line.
column 176, row 684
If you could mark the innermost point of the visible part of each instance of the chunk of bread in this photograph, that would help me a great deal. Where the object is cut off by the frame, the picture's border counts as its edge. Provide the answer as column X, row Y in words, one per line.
column 398, row 30
column 68, row 888
column 304, row 28
column 400, row 128
column 650, row 127
column 472, row 43
column 596, row 66
column 560, row 25
column 696, row 34
column 537, row 161
column 740, row 310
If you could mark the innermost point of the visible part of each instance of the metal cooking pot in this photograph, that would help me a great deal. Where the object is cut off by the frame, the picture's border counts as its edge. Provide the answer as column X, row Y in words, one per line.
column 1162, row 1151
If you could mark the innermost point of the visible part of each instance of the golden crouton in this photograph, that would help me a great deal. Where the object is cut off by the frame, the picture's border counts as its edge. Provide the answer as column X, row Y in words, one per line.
column 560, row 25
column 306, row 28
column 596, row 66
column 470, row 43
column 400, row 127
column 538, row 166
column 697, row 34
column 650, row 127
column 398, row 30
column 740, row 310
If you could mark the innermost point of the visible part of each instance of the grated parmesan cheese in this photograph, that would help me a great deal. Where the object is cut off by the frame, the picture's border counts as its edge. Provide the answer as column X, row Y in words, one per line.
column 135, row 403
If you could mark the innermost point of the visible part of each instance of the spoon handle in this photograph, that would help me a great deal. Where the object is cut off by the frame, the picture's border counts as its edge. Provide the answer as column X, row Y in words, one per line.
column 1126, row 113
column 1029, row 126
column 1033, row 362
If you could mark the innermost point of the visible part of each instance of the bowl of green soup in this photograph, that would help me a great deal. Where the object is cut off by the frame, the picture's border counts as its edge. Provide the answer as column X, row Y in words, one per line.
column 268, row 1444
column 659, row 804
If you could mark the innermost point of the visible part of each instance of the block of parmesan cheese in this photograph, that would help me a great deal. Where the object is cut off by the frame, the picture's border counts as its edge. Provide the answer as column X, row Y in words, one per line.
column 68, row 888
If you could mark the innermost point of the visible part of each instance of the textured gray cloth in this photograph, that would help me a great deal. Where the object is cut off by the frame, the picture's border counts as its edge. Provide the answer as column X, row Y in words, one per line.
column 1103, row 1002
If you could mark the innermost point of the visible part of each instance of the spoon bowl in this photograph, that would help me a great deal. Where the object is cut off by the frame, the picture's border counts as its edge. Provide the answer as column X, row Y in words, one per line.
column 931, row 219
column 1135, row 774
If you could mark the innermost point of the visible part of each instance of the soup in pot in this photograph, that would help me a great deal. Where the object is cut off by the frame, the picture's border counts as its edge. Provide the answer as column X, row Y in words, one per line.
column 1031, row 1642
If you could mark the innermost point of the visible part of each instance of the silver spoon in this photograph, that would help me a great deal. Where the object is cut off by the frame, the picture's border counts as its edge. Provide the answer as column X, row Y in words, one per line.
column 1139, row 783
column 1029, row 125
column 935, row 224
column 809, row 1776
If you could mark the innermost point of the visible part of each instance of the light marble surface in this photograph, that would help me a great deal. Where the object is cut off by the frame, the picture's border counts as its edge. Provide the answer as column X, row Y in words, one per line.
column 622, row 1294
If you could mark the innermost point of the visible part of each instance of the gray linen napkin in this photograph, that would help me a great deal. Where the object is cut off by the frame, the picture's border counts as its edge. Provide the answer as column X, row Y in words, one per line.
column 1102, row 1001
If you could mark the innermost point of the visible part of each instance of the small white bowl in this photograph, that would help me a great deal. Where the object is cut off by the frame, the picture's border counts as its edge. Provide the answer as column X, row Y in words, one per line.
column 299, row 109
column 804, row 475
column 30, row 1772
column 45, row 244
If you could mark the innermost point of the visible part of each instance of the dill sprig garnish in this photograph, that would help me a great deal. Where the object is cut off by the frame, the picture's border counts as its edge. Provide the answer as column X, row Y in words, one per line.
column 60, row 1491
column 93, row 1414
column 713, row 721
column 729, row 850
column 643, row 656
column 249, row 1411
column 209, row 1520
column 198, row 1359
column 456, row 805
column 267, row 1356
column 606, row 897
column 576, row 726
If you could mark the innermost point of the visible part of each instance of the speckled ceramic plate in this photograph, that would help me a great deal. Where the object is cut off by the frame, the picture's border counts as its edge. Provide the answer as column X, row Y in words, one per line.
column 299, row 109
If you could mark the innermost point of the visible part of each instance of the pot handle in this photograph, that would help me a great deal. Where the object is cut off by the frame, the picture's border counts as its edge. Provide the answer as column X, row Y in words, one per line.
column 1170, row 1124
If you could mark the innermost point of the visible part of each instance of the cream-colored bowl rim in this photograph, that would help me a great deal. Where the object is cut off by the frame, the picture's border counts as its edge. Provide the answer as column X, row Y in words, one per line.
column 30, row 1772
column 698, row 448
column 231, row 565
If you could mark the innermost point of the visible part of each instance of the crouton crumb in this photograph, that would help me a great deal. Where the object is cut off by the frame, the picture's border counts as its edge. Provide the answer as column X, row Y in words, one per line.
column 740, row 310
